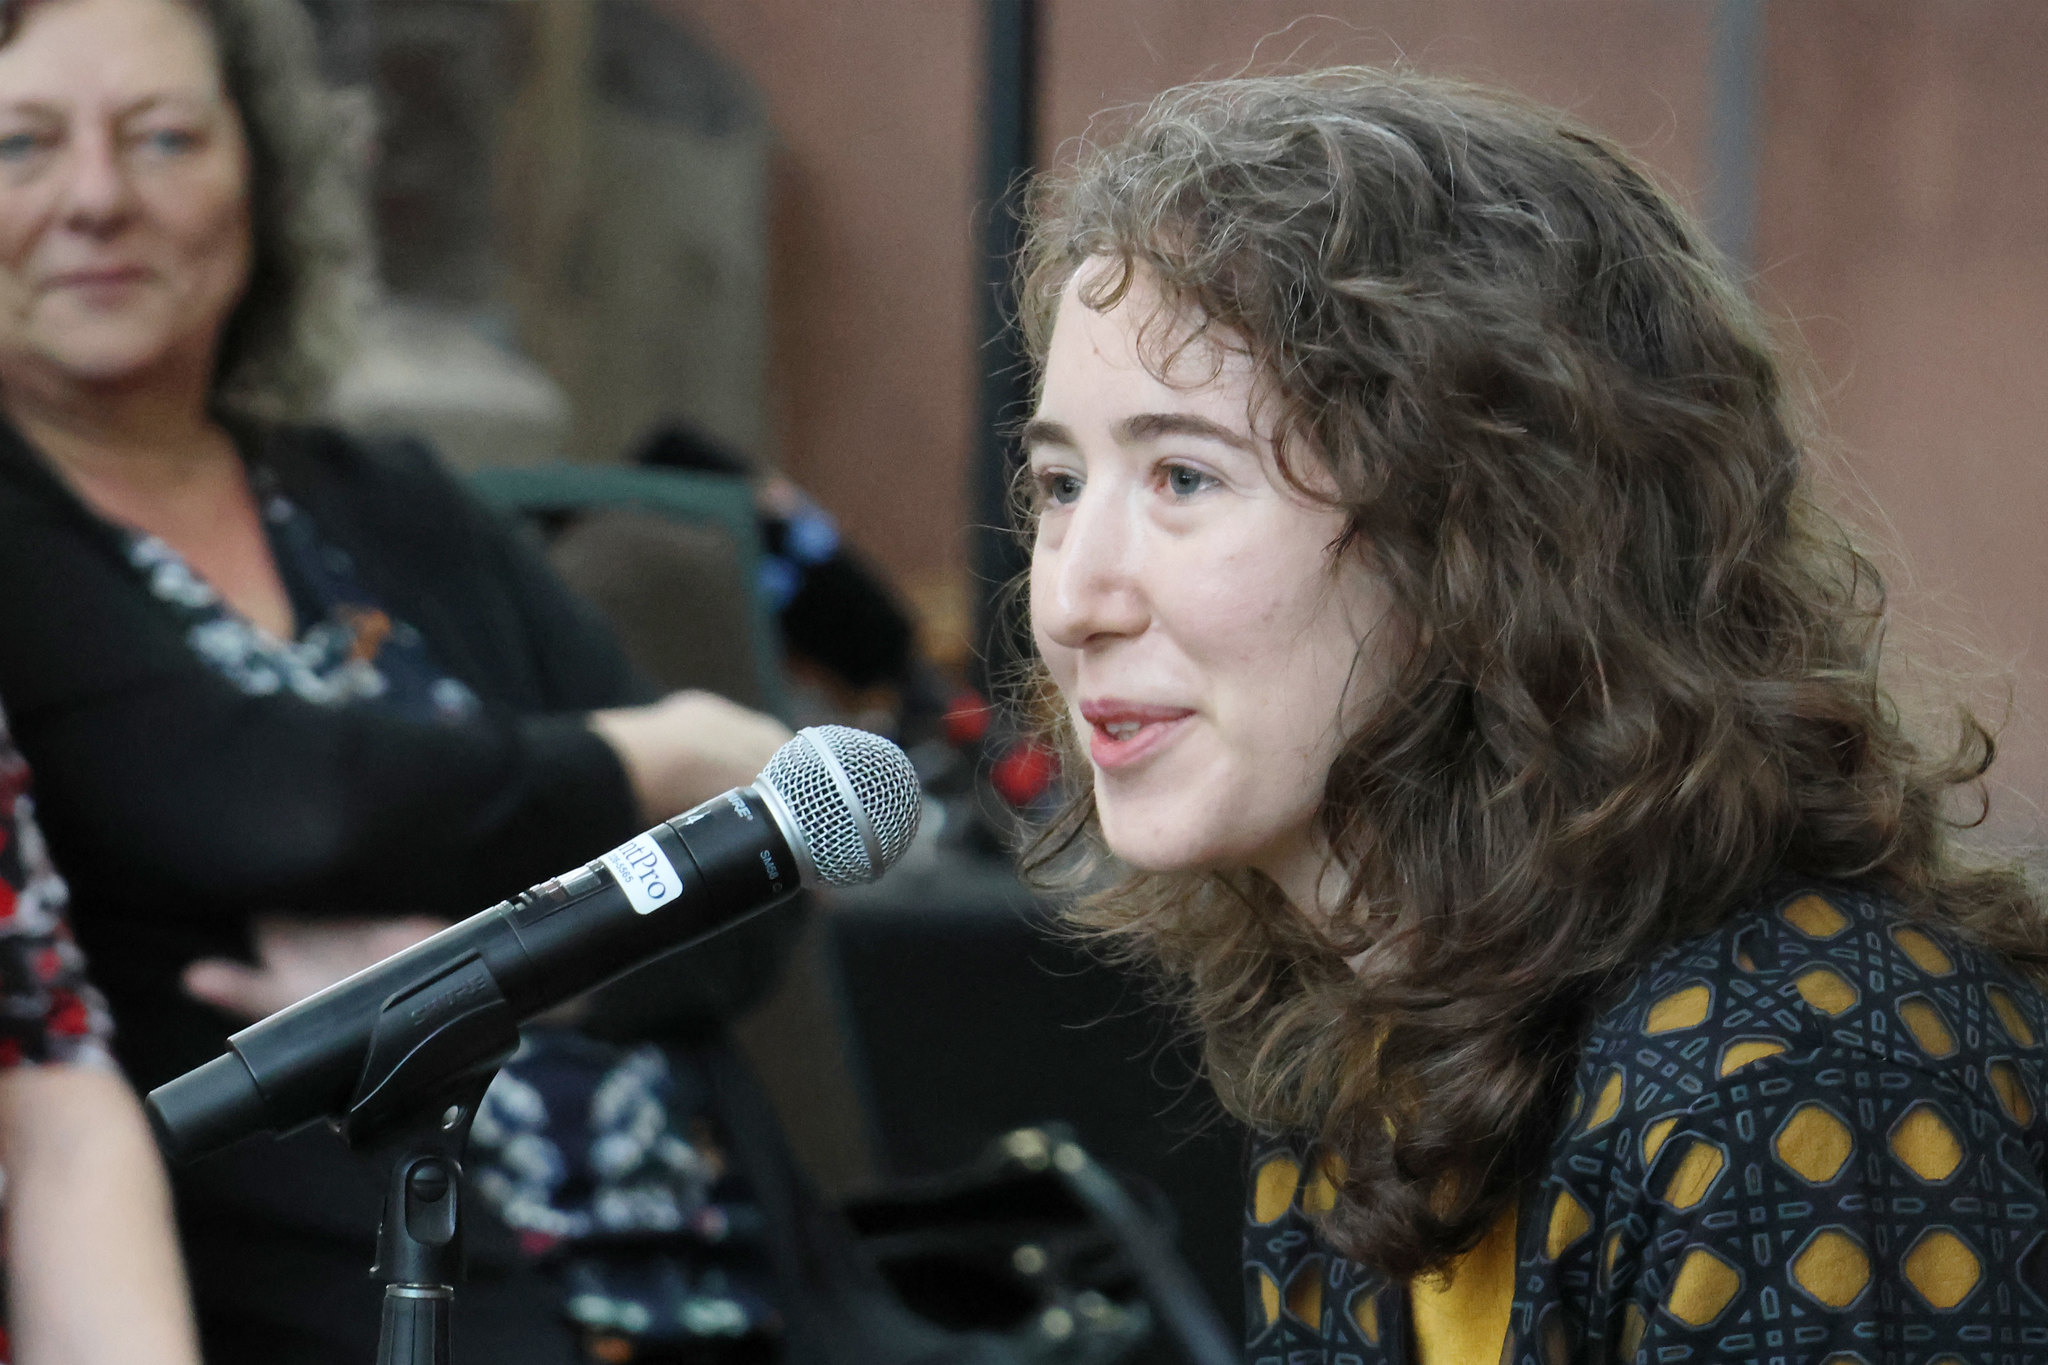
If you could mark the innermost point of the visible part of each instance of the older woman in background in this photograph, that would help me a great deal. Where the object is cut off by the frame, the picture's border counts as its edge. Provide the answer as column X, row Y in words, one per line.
column 270, row 676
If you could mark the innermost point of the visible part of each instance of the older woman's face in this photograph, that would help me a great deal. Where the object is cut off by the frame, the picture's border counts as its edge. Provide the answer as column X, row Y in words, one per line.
column 124, row 208
column 1212, row 649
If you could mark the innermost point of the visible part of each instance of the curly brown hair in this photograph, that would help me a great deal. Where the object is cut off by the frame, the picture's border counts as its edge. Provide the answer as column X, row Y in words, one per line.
column 310, row 268
column 1641, row 670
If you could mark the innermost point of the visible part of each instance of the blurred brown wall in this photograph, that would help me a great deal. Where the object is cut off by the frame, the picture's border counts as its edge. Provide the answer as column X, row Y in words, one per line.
column 873, row 351
column 1903, row 225
column 1902, row 220
column 1634, row 69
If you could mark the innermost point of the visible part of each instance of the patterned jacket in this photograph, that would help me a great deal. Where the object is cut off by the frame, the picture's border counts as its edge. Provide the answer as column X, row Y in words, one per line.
column 1815, row 1134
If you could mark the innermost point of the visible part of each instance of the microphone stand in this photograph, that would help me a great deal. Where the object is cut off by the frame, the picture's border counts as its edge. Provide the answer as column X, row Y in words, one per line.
column 419, row 1241
column 432, row 1055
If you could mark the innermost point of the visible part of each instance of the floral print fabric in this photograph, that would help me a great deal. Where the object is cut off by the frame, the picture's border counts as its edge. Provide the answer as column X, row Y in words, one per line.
column 48, row 1012
column 607, row 1160
column 348, row 648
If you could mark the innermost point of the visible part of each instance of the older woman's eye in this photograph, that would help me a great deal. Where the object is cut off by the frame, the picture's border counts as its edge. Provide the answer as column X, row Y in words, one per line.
column 1184, row 482
column 170, row 141
column 20, row 145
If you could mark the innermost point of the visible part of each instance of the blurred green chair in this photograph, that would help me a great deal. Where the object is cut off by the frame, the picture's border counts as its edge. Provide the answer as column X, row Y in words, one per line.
column 673, row 560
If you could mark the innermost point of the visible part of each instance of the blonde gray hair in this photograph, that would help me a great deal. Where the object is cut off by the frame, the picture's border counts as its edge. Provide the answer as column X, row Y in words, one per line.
column 310, row 271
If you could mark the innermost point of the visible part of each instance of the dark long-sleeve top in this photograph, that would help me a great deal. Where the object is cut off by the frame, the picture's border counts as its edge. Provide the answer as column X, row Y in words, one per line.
column 1816, row 1134
column 180, row 807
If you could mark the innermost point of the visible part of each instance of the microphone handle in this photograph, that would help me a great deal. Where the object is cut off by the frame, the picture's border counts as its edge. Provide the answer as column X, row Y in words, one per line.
column 681, row 881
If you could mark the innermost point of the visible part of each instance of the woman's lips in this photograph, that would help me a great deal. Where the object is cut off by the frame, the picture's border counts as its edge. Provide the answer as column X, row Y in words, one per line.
column 94, row 284
column 1122, row 733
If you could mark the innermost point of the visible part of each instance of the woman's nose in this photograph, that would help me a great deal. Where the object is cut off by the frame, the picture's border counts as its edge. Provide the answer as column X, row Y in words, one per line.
column 98, row 196
column 1087, row 585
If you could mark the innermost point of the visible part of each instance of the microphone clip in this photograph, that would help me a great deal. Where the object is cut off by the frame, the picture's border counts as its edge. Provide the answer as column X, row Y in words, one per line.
column 428, row 1039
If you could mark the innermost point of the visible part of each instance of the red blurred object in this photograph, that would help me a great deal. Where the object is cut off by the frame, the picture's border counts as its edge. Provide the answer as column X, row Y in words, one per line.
column 1025, row 773
column 967, row 718
column 536, row 1243
column 68, row 1017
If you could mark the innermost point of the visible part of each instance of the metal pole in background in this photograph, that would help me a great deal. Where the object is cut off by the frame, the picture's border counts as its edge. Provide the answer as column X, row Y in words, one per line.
column 1009, row 148
column 1735, row 70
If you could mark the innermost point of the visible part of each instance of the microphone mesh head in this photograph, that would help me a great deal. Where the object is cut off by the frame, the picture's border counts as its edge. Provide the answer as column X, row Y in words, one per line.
column 853, row 796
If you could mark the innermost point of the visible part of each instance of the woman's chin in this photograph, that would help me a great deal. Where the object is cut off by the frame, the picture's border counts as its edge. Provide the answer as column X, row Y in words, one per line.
column 1167, row 850
column 1187, row 838
column 110, row 359
column 104, row 346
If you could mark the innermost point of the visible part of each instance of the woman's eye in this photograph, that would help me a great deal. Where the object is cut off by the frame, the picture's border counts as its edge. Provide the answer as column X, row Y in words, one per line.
column 169, row 141
column 1184, row 482
column 19, row 146
column 1057, row 487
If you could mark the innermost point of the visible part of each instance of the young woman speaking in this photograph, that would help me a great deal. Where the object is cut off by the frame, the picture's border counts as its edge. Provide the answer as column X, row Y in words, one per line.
column 1483, row 730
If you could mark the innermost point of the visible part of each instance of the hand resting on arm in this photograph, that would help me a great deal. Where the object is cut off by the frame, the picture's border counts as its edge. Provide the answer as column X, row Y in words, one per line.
column 296, row 958
column 688, row 747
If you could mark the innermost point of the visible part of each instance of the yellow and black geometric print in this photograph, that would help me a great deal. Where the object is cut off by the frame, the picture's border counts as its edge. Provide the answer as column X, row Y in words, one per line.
column 1815, row 1134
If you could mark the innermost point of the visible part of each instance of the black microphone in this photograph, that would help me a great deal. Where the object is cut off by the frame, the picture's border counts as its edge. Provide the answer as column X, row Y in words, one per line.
column 835, row 806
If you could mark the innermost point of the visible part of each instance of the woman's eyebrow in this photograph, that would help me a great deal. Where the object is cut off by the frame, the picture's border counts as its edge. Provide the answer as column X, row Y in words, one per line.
column 40, row 106
column 195, row 101
column 1150, row 426
column 1040, row 431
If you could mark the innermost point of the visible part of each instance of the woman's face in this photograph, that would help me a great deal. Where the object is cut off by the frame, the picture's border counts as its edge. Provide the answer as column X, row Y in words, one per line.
column 124, row 207
column 1212, row 649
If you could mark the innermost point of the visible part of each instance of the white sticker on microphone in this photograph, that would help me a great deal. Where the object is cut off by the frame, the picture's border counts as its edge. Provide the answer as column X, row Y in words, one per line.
column 645, row 873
